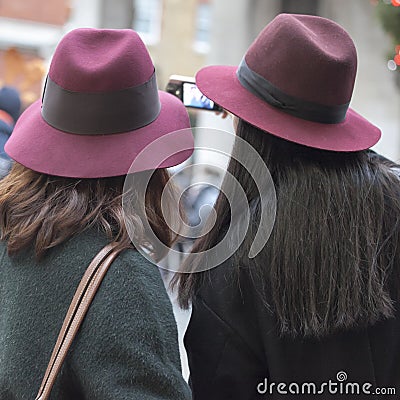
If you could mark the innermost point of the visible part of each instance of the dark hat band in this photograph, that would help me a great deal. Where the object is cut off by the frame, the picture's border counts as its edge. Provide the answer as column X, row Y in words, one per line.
column 100, row 113
column 308, row 110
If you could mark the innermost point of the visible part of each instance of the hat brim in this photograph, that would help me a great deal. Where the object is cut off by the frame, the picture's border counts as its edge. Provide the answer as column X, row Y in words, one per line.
column 45, row 149
column 220, row 84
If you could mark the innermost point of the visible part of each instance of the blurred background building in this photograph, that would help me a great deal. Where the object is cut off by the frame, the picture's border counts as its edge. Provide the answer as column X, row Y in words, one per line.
column 184, row 35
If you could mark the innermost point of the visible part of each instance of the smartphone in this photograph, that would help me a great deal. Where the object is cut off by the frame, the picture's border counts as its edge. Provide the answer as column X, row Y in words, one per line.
column 185, row 88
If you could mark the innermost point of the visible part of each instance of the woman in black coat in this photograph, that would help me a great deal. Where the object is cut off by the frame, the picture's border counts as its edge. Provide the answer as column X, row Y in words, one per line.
column 315, row 314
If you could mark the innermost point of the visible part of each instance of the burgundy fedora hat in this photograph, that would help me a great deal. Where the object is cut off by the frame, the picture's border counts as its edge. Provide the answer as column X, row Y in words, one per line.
column 100, row 108
column 295, row 82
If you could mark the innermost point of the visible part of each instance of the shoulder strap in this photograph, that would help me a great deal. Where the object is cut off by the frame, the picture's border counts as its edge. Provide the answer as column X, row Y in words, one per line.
column 77, row 310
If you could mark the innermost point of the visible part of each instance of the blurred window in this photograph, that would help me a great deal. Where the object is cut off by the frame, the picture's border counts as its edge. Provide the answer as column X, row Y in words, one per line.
column 147, row 19
column 300, row 7
column 203, row 25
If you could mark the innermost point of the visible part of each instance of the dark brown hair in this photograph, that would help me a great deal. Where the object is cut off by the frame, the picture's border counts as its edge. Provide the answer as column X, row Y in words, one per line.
column 43, row 211
column 332, row 261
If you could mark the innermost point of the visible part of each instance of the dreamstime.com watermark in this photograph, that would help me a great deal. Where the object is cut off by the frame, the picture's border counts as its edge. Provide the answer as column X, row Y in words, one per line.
column 340, row 386
column 160, row 150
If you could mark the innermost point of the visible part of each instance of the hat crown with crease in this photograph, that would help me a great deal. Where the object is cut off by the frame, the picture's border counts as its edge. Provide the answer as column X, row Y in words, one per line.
column 307, row 57
column 100, row 60
column 100, row 110
column 295, row 82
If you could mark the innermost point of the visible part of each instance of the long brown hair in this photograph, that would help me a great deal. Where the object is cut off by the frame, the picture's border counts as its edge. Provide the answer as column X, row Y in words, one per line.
column 43, row 211
column 332, row 261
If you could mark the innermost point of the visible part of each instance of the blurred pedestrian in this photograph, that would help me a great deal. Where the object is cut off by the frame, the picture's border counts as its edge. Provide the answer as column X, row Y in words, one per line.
column 10, row 107
column 320, row 302
column 62, row 202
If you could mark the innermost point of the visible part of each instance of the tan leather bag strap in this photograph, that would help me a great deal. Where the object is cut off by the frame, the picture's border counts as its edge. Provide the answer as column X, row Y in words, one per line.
column 77, row 310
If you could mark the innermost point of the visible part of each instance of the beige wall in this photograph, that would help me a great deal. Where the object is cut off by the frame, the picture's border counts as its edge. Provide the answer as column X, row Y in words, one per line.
column 175, row 52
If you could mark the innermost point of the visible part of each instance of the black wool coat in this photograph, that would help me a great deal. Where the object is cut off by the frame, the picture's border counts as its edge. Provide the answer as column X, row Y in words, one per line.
column 235, row 351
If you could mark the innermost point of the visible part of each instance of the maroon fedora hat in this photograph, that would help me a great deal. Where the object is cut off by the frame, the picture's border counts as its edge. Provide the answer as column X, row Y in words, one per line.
column 100, row 108
column 295, row 82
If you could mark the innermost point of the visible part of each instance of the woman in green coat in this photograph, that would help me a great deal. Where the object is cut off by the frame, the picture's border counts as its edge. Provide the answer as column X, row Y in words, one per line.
column 62, row 203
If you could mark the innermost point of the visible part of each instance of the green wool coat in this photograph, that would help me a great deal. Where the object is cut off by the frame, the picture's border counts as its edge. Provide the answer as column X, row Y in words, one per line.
column 127, row 346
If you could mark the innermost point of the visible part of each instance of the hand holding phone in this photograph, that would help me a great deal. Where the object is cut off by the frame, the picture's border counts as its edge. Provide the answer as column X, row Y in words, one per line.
column 186, row 90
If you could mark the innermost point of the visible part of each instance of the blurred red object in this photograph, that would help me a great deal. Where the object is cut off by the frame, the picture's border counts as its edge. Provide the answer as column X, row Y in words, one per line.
column 396, row 3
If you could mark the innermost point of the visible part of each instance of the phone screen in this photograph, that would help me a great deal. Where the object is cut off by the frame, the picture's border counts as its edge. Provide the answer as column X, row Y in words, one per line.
column 192, row 97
